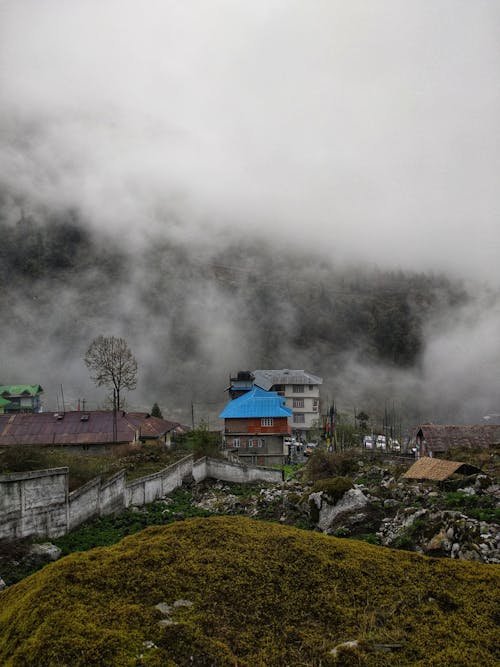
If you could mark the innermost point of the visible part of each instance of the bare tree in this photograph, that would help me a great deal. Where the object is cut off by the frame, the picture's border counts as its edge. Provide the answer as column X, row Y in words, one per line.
column 112, row 365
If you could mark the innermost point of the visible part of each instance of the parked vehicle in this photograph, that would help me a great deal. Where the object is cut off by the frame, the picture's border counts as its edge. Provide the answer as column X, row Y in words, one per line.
column 394, row 445
column 368, row 442
column 381, row 442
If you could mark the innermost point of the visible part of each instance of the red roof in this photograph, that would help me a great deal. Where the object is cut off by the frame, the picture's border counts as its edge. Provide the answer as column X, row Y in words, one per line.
column 96, row 427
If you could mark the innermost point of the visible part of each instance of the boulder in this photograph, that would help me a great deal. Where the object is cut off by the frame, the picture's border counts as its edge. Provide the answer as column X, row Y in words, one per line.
column 47, row 551
column 352, row 501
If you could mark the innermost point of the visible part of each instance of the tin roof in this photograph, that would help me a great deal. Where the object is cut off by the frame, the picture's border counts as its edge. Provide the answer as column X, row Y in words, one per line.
column 20, row 389
column 256, row 403
column 441, row 438
column 268, row 378
column 437, row 469
column 79, row 428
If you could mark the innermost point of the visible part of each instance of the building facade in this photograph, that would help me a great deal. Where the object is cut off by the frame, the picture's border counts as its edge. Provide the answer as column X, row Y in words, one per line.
column 255, row 425
column 301, row 391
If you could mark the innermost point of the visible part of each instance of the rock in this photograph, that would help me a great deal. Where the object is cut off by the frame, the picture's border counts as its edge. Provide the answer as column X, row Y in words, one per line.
column 346, row 645
column 47, row 551
column 389, row 503
column 164, row 608
column 2, row 584
column 352, row 501
column 183, row 603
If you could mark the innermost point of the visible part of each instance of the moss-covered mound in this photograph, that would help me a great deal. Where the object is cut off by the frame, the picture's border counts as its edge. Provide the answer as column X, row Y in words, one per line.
column 232, row 591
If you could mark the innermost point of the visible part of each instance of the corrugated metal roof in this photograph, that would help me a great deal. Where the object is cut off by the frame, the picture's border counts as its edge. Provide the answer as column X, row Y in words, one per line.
column 20, row 389
column 441, row 438
column 437, row 469
column 268, row 378
column 95, row 427
column 256, row 403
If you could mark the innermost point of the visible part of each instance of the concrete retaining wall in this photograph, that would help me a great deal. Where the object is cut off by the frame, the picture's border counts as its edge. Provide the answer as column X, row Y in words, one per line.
column 34, row 503
column 37, row 503
column 148, row 489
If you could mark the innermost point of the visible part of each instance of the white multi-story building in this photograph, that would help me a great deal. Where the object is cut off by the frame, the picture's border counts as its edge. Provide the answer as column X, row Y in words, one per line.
column 301, row 391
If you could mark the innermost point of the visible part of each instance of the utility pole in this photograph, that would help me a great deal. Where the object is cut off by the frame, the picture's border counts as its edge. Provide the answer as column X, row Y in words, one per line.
column 115, row 428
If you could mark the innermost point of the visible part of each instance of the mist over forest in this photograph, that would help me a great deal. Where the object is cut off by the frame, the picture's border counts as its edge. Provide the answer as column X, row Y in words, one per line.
column 193, row 316
column 232, row 186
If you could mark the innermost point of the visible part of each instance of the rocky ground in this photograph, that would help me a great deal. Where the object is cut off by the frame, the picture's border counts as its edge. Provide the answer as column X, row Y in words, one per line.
column 455, row 519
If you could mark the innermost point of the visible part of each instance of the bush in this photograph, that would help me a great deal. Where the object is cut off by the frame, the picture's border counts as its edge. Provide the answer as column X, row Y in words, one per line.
column 203, row 442
column 334, row 488
column 323, row 464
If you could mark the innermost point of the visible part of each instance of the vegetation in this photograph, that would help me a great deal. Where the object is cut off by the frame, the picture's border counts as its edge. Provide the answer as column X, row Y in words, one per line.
column 112, row 365
column 136, row 461
column 250, row 593
column 334, row 487
column 202, row 442
column 155, row 411
column 323, row 465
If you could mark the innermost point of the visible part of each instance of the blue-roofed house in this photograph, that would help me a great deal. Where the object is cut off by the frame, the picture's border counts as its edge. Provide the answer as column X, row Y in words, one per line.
column 255, row 425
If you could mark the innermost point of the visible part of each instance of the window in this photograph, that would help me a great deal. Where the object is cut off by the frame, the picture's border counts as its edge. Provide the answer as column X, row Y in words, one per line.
column 315, row 405
column 250, row 443
column 236, row 443
column 299, row 418
column 298, row 388
column 260, row 442
column 267, row 421
column 298, row 402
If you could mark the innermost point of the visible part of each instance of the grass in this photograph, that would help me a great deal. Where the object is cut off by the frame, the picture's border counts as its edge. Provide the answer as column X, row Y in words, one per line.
column 261, row 594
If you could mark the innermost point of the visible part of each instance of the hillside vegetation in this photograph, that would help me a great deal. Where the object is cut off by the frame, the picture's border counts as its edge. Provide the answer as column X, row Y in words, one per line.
column 232, row 591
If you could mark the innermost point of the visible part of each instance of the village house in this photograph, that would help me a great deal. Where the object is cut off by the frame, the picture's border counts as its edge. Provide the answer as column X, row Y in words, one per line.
column 20, row 398
column 255, row 425
column 301, row 391
column 94, row 431
column 435, row 440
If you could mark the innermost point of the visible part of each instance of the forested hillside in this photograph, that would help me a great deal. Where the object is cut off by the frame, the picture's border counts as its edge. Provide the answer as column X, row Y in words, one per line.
column 195, row 314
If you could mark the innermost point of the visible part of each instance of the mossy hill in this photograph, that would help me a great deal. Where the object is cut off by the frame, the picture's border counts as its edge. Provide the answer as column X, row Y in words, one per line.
column 234, row 591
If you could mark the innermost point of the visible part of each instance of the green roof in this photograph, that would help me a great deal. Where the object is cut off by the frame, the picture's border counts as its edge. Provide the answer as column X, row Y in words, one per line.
column 20, row 389
column 3, row 402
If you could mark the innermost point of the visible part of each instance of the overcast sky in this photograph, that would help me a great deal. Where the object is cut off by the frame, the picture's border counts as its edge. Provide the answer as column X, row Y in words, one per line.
column 370, row 129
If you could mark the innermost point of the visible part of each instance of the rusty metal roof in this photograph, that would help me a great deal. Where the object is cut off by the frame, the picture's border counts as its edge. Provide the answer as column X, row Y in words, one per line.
column 92, row 428
column 437, row 469
column 441, row 438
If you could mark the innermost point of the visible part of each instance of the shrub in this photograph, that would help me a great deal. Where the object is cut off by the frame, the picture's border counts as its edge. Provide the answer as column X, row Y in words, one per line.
column 323, row 464
column 334, row 488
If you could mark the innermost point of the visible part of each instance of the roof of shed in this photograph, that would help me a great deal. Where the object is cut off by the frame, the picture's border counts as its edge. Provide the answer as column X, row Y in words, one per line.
column 256, row 403
column 268, row 378
column 441, row 438
column 437, row 469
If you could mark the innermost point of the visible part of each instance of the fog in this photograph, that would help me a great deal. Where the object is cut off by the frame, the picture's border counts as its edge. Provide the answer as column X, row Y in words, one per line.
column 362, row 134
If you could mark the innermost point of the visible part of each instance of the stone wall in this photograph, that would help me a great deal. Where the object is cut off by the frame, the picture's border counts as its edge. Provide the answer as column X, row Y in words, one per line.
column 38, row 504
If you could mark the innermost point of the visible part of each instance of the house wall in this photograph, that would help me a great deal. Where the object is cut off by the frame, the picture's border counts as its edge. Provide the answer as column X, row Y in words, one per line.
column 311, row 409
column 254, row 426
